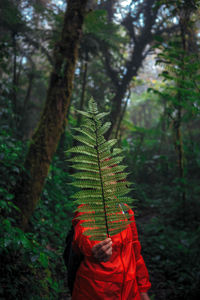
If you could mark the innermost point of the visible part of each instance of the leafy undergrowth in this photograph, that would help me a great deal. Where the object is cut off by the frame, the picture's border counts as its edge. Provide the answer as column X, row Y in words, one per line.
column 31, row 263
column 171, row 253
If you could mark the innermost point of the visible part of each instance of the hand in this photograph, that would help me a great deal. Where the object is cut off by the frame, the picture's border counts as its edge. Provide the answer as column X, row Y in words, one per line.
column 144, row 296
column 103, row 250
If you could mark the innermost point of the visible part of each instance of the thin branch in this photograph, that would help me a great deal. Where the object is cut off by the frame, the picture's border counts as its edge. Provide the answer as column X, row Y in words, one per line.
column 171, row 29
column 38, row 45
column 122, row 113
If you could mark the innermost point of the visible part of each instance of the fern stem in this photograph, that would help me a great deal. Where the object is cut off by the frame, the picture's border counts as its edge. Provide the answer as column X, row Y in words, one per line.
column 100, row 174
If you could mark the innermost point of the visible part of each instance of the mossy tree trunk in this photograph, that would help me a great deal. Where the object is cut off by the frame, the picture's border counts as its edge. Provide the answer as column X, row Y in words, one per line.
column 46, row 137
column 83, row 90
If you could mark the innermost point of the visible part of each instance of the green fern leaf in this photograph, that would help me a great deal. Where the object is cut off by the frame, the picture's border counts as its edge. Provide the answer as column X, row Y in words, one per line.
column 86, row 167
column 83, row 150
column 87, row 133
column 100, row 177
column 101, row 115
column 104, row 128
column 85, row 140
column 86, row 175
column 116, row 151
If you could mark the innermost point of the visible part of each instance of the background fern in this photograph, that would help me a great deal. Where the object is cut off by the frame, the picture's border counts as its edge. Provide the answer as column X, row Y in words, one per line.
column 101, row 179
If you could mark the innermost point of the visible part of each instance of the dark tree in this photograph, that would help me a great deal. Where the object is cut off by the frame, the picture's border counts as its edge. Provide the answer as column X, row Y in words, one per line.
column 142, row 35
column 46, row 137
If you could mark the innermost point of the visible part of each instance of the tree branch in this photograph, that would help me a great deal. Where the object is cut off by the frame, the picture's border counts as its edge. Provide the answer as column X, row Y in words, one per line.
column 112, row 73
column 38, row 45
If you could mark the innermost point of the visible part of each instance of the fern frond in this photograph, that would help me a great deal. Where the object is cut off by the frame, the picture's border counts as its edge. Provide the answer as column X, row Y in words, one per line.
column 116, row 151
column 114, row 169
column 85, row 114
column 89, row 126
column 83, row 150
column 87, row 133
column 101, row 115
column 115, row 177
column 85, row 140
column 104, row 128
column 84, row 159
column 83, row 195
column 106, row 145
column 100, row 177
column 88, row 184
column 111, row 162
column 86, row 167
column 86, row 175
column 104, row 156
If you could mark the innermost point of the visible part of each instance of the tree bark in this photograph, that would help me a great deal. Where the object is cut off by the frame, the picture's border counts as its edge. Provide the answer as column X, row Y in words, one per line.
column 22, row 123
column 14, row 91
column 46, row 137
column 122, row 115
column 83, row 90
column 132, row 70
column 185, row 14
column 183, row 22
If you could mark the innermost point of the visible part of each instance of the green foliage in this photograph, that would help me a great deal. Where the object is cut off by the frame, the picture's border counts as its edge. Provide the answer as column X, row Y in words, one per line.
column 21, row 256
column 96, row 26
column 181, row 74
column 31, row 263
column 170, row 237
column 170, row 242
column 102, row 182
column 174, row 258
column 23, row 264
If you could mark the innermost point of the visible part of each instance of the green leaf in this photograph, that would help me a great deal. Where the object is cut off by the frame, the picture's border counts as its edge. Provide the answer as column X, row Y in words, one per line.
column 85, row 114
column 100, row 177
column 84, row 159
column 85, row 140
column 43, row 259
column 83, row 150
column 102, row 115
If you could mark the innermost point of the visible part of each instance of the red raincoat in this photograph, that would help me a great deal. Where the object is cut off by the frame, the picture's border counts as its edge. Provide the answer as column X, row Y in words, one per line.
column 123, row 277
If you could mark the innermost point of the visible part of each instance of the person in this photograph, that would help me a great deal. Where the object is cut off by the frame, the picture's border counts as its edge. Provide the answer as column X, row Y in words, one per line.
column 111, row 269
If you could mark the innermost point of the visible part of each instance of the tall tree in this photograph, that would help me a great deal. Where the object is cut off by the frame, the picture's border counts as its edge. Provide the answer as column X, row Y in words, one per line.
column 144, row 21
column 182, row 72
column 46, row 137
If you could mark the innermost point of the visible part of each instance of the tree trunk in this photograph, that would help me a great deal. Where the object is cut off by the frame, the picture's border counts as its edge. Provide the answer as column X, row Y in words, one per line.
column 115, row 110
column 122, row 115
column 83, row 90
column 180, row 155
column 46, row 137
column 132, row 66
column 22, row 123
column 140, row 38
column 14, row 81
column 184, row 23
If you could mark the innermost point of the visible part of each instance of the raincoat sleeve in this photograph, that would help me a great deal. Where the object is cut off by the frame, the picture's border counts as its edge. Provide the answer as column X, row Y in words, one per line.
column 81, row 243
column 142, row 275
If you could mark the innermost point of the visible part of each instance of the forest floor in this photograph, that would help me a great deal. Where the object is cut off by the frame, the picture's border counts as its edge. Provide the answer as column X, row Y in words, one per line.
column 156, row 292
column 142, row 220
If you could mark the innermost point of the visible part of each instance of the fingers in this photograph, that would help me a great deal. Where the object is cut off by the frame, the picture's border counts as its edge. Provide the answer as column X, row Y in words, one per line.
column 103, row 243
column 106, row 255
column 103, row 250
